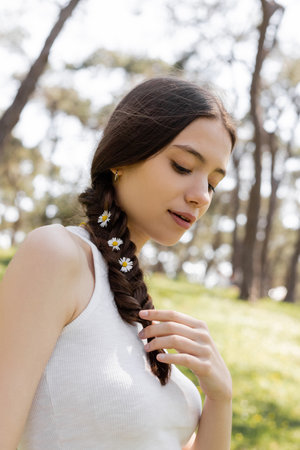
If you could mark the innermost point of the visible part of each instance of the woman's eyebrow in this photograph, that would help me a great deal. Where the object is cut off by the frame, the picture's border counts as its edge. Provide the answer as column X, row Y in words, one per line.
column 198, row 155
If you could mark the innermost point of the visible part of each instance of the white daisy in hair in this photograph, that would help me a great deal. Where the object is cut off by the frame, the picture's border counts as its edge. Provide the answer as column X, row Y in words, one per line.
column 126, row 264
column 104, row 218
column 115, row 243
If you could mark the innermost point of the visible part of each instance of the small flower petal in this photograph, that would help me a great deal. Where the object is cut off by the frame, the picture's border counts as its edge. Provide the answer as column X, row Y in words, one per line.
column 126, row 264
column 115, row 243
column 104, row 218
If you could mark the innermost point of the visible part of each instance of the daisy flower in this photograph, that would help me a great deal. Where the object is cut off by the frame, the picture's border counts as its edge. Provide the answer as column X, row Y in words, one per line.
column 126, row 264
column 115, row 243
column 104, row 218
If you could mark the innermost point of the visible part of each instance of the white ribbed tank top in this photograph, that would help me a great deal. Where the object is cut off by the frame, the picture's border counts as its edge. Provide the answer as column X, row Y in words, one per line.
column 98, row 392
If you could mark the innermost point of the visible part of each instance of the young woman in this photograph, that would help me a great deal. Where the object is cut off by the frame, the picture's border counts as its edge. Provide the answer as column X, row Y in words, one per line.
column 81, row 346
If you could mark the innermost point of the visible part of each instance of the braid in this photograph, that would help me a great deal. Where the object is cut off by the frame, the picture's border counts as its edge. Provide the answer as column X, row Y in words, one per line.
column 129, row 289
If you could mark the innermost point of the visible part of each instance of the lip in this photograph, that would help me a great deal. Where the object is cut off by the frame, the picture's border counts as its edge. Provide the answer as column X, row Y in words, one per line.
column 189, row 216
column 181, row 222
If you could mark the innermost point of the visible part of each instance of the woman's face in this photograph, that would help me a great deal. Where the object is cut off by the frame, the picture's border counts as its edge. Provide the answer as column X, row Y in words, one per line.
column 177, row 181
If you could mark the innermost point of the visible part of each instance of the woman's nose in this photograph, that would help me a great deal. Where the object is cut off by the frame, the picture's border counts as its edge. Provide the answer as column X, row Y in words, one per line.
column 199, row 194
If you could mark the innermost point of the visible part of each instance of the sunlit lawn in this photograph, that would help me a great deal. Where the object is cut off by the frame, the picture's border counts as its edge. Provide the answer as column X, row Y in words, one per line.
column 260, row 343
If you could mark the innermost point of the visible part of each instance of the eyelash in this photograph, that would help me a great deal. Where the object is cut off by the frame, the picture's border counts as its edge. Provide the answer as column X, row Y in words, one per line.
column 180, row 169
column 184, row 171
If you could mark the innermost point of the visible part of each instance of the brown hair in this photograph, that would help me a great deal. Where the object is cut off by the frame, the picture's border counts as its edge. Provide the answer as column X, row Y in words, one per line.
column 144, row 122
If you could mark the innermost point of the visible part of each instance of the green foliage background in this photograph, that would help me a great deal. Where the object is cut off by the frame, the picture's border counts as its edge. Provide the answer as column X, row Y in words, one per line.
column 260, row 344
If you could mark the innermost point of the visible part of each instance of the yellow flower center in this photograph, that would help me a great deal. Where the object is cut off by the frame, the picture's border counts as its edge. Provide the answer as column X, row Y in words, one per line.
column 124, row 264
column 104, row 218
column 115, row 243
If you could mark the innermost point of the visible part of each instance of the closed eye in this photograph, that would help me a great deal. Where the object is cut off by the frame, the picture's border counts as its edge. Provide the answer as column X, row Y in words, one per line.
column 180, row 169
column 185, row 171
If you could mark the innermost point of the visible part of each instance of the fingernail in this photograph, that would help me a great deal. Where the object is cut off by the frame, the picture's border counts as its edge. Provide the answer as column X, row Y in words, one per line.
column 147, row 347
column 143, row 313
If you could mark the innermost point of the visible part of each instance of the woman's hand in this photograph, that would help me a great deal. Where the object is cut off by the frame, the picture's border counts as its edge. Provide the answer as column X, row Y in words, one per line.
column 195, row 347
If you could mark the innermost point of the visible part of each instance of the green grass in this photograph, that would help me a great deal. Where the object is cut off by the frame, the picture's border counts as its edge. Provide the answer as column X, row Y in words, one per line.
column 260, row 343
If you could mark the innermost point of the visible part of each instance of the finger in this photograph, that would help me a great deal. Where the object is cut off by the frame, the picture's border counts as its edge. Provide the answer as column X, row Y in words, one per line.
column 167, row 328
column 180, row 344
column 199, row 367
column 171, row 316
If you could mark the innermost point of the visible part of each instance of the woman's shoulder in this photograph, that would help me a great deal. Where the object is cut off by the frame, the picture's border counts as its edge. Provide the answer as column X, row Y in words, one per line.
column 52, row 249
column 57, row 243
column 48, row 255
column 42, row 272
column 54, row 239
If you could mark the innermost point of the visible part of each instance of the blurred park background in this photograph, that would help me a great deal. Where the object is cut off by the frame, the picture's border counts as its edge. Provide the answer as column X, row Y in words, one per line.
column 65, row 64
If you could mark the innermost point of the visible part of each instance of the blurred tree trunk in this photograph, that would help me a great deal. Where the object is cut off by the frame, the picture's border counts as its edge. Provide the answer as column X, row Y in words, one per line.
column 27, row 87
column 291, row 279
column 264, row 267
column 158, row 267
column 235, row 201
column 216, row 243
column 264, row 47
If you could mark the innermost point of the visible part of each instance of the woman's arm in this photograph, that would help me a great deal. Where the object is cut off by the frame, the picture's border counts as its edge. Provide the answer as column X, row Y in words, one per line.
column 197, row 351
column 214, row 427
column 36, row 301
column 214, row 431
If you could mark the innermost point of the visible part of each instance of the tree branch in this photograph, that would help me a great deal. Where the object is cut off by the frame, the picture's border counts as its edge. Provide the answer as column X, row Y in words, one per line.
column 27, row 87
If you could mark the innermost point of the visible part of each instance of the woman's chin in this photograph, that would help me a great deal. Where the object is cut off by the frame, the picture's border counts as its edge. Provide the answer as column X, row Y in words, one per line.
column 167, row 241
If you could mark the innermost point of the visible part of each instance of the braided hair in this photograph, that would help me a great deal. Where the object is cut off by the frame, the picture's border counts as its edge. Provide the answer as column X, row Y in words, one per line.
column 144, row 122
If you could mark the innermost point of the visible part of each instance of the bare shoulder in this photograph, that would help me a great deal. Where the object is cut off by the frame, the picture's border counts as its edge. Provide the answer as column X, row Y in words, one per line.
column 44, row 267
column 54, row 241
column 59, row 243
